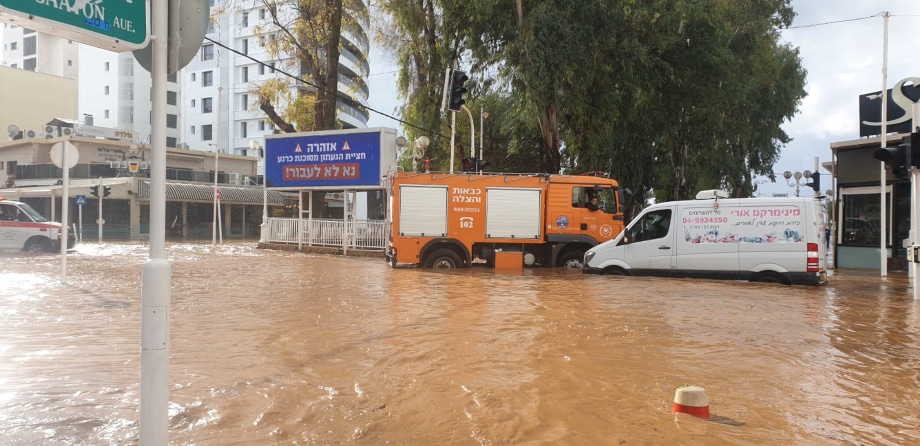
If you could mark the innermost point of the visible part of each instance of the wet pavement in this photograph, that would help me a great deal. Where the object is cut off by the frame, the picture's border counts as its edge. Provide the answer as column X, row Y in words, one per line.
column 285, row 348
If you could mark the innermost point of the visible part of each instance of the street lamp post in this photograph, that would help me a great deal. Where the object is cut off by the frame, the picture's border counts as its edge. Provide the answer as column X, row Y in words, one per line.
column 798, row 183
column 254, row 145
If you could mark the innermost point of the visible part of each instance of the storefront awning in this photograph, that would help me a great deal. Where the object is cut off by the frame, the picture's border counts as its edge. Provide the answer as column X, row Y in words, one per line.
column 205, row 193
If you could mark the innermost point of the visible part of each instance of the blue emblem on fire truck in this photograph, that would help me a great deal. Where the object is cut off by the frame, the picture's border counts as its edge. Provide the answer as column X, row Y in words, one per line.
column 562, row 222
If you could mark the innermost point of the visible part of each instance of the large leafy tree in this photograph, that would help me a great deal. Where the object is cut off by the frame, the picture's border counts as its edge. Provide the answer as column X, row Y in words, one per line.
column 666, row 95
column 305, row 36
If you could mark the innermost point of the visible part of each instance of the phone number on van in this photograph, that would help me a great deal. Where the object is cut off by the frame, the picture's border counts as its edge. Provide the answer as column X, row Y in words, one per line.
column 706, row 220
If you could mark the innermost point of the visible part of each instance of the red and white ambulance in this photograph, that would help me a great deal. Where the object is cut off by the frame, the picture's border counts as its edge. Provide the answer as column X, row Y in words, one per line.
column 23, row 228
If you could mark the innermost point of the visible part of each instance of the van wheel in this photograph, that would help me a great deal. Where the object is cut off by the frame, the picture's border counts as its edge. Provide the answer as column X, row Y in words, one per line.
column 614, row 271
column 572, row 259
column 37, row 246
column 771, row 278
column 443, row 259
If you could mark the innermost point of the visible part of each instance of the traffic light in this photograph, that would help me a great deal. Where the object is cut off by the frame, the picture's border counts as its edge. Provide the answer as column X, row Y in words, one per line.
column 457, row 90
column 897, row 158
column 473, row 165
column 106, row 191
column 94, row 190
column 815, row 183
column 468, row 164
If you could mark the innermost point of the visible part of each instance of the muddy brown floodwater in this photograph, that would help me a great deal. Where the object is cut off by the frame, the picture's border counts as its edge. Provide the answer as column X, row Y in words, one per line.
column 281, row 348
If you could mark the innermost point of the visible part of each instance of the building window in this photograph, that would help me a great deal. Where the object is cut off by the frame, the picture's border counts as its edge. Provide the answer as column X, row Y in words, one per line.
column 861, row 217
column 261, row 68
column 272, row 65
column 206, row 105
column 172, row 98
column 172, row 121
column 243, row 129
column 207, row 79
column 13, row 45
column 28, row 46
column 193, row 103
column 69, row 63
column 206, row 132
column 261, row 126
column 244, row 19
column 106, row 114
column 172, row 78
column 106, row 66
column 28, row 64
column 192, row 130
column 106, row 89
column 244, row 73
column 207, row 52
column 261, row 13
column 171, row 141
column 244, row 102
column 244, row 46
column 193, row 77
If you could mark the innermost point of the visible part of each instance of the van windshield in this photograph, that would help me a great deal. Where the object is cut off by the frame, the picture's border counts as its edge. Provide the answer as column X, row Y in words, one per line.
column 32, row 213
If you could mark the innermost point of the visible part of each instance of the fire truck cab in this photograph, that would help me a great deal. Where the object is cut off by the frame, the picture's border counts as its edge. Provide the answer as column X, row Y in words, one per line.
column 23, row 228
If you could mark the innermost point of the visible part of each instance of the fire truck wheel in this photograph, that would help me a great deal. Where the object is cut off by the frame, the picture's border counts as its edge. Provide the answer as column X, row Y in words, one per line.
column 443, row 259
column 37, row 245
column 571, row 259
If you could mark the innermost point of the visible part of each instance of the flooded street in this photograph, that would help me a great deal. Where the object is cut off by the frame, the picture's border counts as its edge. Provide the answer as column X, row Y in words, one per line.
column 285, row 348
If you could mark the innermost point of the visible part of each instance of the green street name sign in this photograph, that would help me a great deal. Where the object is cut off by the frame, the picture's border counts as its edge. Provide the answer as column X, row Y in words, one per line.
column 118, row 25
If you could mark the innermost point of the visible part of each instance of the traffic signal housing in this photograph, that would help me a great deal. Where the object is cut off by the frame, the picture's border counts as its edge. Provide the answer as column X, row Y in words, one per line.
column 468, row 164
column 473, row 165
column 106, row 191
column 815, row 183
column 94, row 190
column 897, row 158
column 457, row 90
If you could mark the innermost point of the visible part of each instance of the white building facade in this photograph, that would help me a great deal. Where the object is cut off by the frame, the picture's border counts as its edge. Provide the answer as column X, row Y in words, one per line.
column 210, row 103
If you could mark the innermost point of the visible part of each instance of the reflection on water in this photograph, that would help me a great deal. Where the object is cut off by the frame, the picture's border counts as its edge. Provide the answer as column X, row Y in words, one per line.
column 285, row 348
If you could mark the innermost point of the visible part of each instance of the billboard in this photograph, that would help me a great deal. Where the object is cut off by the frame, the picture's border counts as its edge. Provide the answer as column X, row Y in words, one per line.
column 335, row 159
column 899, row 114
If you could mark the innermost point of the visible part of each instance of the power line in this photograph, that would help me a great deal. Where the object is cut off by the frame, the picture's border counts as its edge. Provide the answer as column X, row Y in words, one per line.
column 300, row 79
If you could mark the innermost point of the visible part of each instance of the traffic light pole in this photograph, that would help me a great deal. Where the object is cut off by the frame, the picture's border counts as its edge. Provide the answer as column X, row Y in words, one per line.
column 914, row 208
column 453, row 131
column 100, row 221
column 472, row 134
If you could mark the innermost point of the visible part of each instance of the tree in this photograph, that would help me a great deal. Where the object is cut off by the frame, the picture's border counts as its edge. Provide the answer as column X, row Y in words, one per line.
column 305, row 37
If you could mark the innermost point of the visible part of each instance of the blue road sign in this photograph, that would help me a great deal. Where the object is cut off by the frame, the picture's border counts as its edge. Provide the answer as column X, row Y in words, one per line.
column 81, row 200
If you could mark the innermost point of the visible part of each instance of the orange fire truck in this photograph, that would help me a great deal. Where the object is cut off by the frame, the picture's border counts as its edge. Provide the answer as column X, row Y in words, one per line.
column 441, row 220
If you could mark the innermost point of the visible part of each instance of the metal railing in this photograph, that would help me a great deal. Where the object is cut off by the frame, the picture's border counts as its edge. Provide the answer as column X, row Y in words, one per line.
column 357, row 234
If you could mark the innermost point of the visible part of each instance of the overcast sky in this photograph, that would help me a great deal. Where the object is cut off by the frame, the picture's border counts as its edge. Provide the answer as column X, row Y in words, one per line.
column 841, row 46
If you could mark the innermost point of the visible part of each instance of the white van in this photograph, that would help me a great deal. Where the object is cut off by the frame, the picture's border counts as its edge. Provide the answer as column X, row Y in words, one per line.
column 778, row 240
column 23, row 228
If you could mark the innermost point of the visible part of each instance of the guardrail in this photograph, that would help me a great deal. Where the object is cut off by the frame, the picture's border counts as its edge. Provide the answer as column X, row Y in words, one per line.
column 357, row 234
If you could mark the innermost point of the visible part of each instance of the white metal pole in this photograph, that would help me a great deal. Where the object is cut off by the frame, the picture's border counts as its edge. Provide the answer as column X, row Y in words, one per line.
column 80, row 217
column 215, row 219
column 264, row 199
column 157, row 274
column 884, row 205
column 914, row 207
column 100, row 221
column 472, row 134
column 481, row 129
column 64, row 209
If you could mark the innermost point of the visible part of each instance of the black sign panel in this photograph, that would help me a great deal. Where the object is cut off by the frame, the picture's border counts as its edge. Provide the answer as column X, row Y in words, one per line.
column 900, row 100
